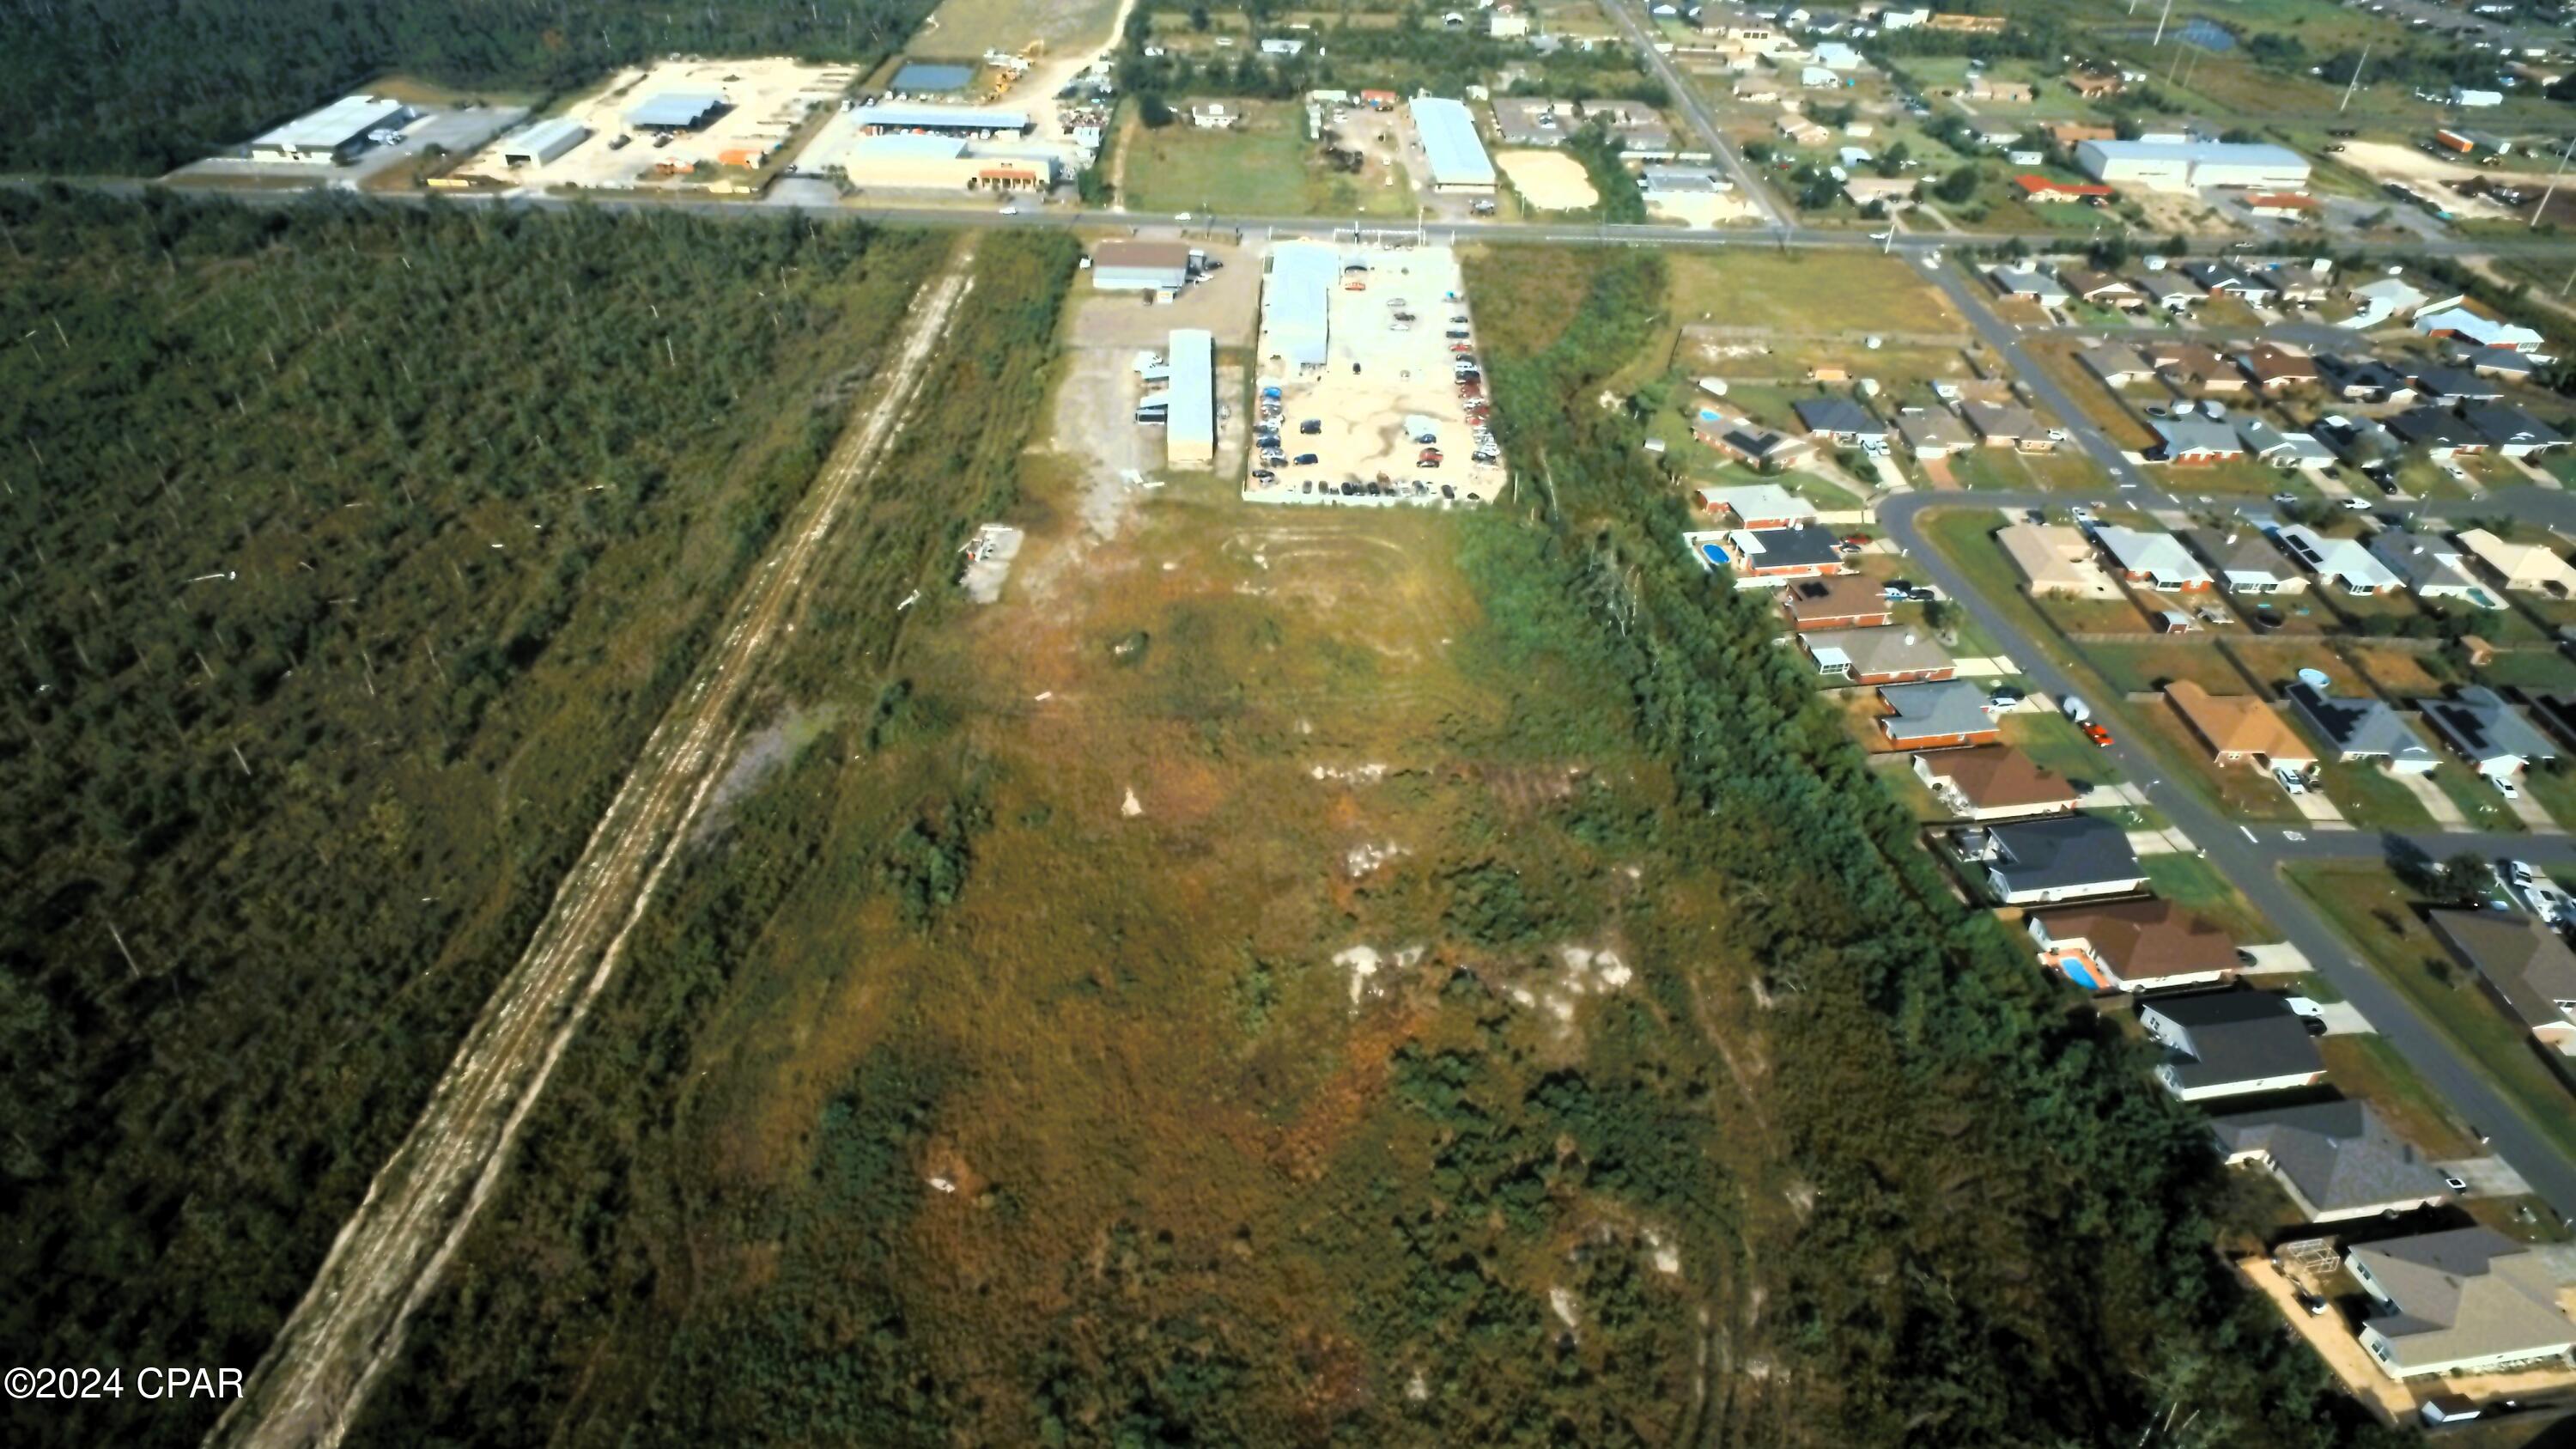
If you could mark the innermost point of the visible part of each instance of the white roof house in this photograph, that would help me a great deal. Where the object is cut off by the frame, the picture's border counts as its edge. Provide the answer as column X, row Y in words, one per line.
column 2342, row 561
column 2156, row 558
column 1449, row 140
column 2476, row 327
column 1765, row 505
column 2385, row 300
column 1296, row 299
column 2530, row 567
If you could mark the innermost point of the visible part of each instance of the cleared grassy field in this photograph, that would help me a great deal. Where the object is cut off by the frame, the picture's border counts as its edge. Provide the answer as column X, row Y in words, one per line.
column 1264, row 166
column 2190, row 882
column 969, row 27
column 1808, row 291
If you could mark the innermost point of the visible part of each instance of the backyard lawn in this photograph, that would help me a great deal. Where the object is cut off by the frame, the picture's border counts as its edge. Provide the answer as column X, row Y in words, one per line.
column 2378, row 915
column 2193, row 884
column 2132, row 668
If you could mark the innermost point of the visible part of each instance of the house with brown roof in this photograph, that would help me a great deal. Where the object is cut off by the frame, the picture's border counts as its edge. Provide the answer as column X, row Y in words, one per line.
column 2007, row 425
column 2132, row 946
column 2239, row 727
column 2101, row 289
column 1987, row 88
column 1844, row 601
column 2071, row 134
column 1992, row 782
column 2093, row 85
column 2274, row 369
column 1878, row 656
column 2056, row 560
column 2194, row 366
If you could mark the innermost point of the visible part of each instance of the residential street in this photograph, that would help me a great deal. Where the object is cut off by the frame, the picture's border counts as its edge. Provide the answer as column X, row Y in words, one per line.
column 2249, row 856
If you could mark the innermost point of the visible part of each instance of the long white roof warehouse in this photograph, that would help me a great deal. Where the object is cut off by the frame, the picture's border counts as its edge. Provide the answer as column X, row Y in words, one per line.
column 1189, row 435
column 2177, row 165
column 1458, row 159
column 1295, row 302
column 337, row 128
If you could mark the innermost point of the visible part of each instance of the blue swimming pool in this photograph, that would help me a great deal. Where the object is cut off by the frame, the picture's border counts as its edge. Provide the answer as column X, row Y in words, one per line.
column 1713, row 554
column 2077, row 973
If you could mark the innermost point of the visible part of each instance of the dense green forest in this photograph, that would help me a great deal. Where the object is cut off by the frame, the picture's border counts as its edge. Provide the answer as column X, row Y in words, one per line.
column 2010, row 1238
column 349, row 553
column 141, row 86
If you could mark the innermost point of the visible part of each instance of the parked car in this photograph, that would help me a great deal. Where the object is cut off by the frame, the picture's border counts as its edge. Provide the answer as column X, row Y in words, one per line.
column 1311, row 426
column 2505, row 787
column 2456, row 1183
column 2315, row 1305
column 2098, row 735
column 2290, row 781
column 1307, row 460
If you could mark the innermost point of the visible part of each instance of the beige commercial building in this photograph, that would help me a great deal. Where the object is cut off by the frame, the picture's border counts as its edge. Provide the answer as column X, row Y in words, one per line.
column 940, row 163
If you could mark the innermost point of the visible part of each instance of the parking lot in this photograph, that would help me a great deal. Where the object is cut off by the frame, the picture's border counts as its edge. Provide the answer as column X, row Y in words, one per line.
column 1397, row 412
column 767, row 100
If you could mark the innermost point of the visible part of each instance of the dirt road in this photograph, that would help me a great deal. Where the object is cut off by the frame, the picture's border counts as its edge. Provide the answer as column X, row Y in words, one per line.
column 309, row 1387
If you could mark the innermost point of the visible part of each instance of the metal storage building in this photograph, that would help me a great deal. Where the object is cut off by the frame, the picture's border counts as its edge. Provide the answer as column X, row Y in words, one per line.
column 1458, row 159
column 1296, row 300
column 543, row 142
column 931, row 78
column 1139, row 266
column 945, row 120
column 940, row 163
column 1189, row 439
column 676, row 111
column 337, row 130
column 2180, row 165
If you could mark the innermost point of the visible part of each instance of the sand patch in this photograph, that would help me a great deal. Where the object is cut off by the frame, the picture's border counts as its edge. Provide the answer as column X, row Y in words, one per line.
column 1549, row 180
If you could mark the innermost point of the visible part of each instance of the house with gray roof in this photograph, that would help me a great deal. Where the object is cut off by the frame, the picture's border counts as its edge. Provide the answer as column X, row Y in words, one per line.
column 2333, row 1159
column 2363, row 728
column 2487, row 732
column 2193, row 440
column 1937, row 714
column 1877, row 656
column 2171, row 292
column 1838, row 419
column 1932, row 432
column 2118, row 364
column 2511, row 430
column 2068, row 858
column 2464, row 1300
column 2432, row 567
column 2525, row 964
column 2243, row 561
column 2228, row 1043
column 2036, row 285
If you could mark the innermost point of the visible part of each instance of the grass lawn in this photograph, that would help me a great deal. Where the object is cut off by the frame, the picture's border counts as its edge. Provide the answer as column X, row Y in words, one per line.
column 2054, row 743
column 2368, row 1068
column 1265, row 166
column 2239, row 477
column 1805, row 291
column 2193, row 884
column 1827, row 495
column 2476, row 798
column 2378, row 915
column 2403, row 672
column 2277, row 662
column 2555, row 790
column 2544, row 671
column 2134, row 667
column 2107, row 411
column 2370, row 798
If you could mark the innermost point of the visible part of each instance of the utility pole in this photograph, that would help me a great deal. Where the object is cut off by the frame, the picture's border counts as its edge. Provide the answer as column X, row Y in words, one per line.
column 2160, row 24
column 2552, row 188
column 2355, row 83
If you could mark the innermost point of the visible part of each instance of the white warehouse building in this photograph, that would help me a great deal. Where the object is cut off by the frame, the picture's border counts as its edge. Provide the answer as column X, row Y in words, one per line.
column 1189, row 436
column 2183, row 165
column 1296, row 300
column 543, row 142
column 1449, row 139
column 334, row 133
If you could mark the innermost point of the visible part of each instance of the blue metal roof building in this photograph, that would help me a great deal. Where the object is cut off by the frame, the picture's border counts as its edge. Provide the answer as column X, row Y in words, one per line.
column 1458, row 159
column 902, row 116
column 1296, row 301
column 676, row 110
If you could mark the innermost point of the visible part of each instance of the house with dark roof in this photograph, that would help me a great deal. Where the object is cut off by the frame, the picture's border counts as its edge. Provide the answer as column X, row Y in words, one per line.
column 2228, row 1043
column 2333, row 1160
column 2358, row 440
column 1937, row 715
column 2363, row 379
column 2070, row 858
column 2363, row 728
column 2131, row 946
column 1993, row 782
column 2221, row 279
column 2487, row 732
column 2461, row 1301
column 2500, row 362
column 1749, row 442
column 2511, row 430
column 2243, row 561
column 2524, row 964
column 1839, row 420
column 2456, row 385
column 2438, row 431
column 1844, row 601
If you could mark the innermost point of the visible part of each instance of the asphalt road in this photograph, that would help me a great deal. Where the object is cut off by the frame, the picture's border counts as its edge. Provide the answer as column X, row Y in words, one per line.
column 2251, row 863
column 1694, row 110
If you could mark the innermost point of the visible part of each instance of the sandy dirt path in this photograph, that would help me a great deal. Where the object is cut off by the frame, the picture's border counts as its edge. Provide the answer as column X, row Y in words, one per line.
column 308, row 1389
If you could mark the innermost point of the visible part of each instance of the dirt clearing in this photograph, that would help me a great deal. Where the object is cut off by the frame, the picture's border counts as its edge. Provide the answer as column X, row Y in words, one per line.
column 1549, row 180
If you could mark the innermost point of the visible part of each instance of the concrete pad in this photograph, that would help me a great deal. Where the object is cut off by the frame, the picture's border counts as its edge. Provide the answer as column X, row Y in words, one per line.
column 2277, row 956
column 2488, row 1176
column 2317, row 809
column 2342, row 1018
column 1987, row 667
column 2526, row 808
column 2159, row 842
